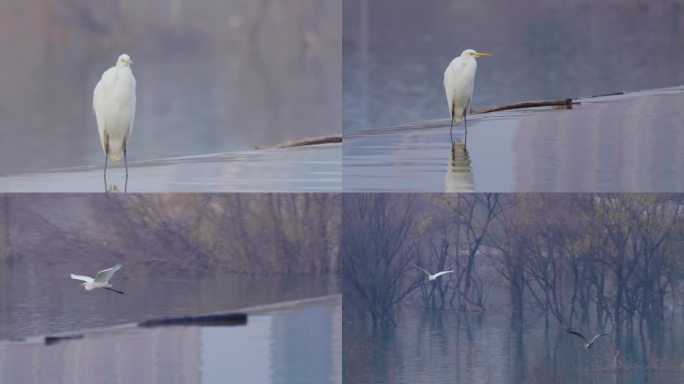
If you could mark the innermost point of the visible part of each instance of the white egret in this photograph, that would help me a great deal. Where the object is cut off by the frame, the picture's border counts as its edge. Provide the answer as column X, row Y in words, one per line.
column 459, row 80
column 587, row 343
column 431, row 276
column 114, row 107
column 100, row 281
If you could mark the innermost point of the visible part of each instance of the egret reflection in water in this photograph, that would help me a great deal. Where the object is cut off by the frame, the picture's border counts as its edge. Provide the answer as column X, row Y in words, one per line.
column 459, row 175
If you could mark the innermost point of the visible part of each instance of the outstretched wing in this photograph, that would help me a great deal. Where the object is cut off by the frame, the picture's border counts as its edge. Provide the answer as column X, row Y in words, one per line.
column 577, row 334
column 104, row 276
column 438, row 274
column 426, row 272
column 82, row 278
column 597, row 336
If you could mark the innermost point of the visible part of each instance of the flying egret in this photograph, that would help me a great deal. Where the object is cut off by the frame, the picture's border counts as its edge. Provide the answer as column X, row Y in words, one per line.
column 587, row 343
column 114, row 107
column 431, row 276
column 100, row 281
column 459, row 80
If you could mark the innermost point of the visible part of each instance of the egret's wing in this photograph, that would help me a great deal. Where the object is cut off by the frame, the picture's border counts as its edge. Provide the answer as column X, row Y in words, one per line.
column 130, row 128
column 438, row 274
column 104, row 276
column 82, row 278
column 577, row 334
column 597, row 336
column 450, row 82
column 426, row 272
column 103, row 87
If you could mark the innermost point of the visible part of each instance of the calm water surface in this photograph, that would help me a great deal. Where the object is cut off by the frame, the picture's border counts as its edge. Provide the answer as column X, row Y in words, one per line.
column 305, row 169
column 38, row 299
column 623, row 143
column 293, row 344
column 443, row 347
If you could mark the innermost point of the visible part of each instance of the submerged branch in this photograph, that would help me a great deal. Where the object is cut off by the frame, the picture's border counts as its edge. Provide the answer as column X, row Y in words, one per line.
column 334, row 138
column 567, row 103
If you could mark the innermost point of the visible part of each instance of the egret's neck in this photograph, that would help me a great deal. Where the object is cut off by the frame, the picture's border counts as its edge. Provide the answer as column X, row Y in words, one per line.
column 124, row 80
column 468, row 59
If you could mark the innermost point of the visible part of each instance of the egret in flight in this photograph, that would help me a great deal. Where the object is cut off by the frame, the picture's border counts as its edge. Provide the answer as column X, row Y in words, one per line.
column 431, row 276
column 459, row 80
column 114, row 107
column 100, row 281
column 587, row 343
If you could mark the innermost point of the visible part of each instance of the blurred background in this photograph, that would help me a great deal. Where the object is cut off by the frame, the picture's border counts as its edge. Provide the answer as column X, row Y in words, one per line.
column 214, row 76
column 395, row 52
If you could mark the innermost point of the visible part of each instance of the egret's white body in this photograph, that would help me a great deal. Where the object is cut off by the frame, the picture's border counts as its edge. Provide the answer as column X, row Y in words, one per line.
column 587, row 343
column 431, row 276
column 459, row 81
column 114, row 107
column 101, row 280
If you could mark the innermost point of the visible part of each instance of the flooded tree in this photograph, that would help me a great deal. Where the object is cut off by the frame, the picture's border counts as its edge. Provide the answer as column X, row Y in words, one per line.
column 606, row 259
column 248, row 233
column 378, row 248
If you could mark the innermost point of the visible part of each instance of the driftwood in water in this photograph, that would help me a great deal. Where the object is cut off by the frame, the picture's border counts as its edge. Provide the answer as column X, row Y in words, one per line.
column 567, row 103
column 49, row 340
column 335, row 138
column 207, row 320
column 608, row 94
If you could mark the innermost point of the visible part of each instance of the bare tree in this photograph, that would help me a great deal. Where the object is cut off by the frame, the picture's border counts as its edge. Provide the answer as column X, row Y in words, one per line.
column 378, row 250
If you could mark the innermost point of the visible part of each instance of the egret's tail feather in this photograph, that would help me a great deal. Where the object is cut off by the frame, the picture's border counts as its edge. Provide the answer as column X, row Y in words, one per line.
column 115, row 152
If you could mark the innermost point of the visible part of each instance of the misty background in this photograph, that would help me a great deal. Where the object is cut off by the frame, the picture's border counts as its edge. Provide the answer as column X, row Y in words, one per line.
column 215, row 76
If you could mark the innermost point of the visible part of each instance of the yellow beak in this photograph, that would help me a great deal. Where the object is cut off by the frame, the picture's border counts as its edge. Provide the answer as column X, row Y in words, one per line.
column 479, row 54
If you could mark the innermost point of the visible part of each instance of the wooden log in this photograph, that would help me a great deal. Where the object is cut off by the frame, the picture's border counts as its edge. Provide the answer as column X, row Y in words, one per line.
column 49, row 340
column 206, row 320
column 335, row 138
column 567, row 103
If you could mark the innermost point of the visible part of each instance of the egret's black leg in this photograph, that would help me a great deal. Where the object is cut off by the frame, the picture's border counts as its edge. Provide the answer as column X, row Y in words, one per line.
column 465, row 124
column 452, row 124
column 451, row 130
column 126, row 164
column 106, row 150
column 113, row 290
column 105, row 173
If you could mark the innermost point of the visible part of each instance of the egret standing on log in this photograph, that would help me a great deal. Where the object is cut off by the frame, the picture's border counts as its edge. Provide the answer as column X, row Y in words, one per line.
column 114, row 107
column 459, row 80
